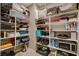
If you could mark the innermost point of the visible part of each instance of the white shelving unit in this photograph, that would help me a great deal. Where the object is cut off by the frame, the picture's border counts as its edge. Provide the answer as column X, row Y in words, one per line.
column 72, row 39
column 78, row 36
column 7, row 38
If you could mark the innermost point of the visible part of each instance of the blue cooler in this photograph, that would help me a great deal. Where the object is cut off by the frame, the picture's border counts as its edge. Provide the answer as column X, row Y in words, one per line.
column 24, row 39
column 38, row 33
column 23, row 32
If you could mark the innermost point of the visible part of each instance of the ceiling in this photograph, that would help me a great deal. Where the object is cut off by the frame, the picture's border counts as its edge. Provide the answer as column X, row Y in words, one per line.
column 25, row 4
column 41, row 5
column 29, row 4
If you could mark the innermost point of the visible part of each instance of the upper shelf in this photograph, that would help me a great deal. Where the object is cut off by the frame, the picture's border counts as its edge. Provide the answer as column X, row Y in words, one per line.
column 8, row 30
column 5, row 22
column 14, row 37
column 62, row 31
column 60, row 14
column 17, row 14
column 56, row 38
column 43, row 25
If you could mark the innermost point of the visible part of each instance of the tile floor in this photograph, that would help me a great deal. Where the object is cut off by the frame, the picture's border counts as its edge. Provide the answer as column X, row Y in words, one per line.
column 29, row 52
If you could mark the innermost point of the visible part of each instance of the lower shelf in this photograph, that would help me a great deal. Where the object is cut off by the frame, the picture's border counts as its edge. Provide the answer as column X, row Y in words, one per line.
column 42, row 44
column 64, row 50
column 6, row 48
column 13, row 46
column 59, row 49
column 22, row 44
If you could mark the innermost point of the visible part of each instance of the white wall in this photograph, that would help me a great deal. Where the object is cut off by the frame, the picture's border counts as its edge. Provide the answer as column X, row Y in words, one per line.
column 32, row 26
column 50, row 5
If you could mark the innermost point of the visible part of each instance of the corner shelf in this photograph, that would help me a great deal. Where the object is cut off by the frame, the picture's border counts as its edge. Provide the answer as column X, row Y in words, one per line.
column 70, row 40
column 13, row 23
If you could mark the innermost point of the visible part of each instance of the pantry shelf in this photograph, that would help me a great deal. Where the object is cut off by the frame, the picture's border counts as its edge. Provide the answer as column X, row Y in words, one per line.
column 62, row 23
column 42, row 44
column 75, row 11
column 22, row 43
column 63, row 39
column 42, row 25
column 44, row 36
column 63, row 31
column 23, row 35
column 7, row 23
column 14, row 37
column 6, row 48
column 7, row 30
column 64, row 50
column 3, row 30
